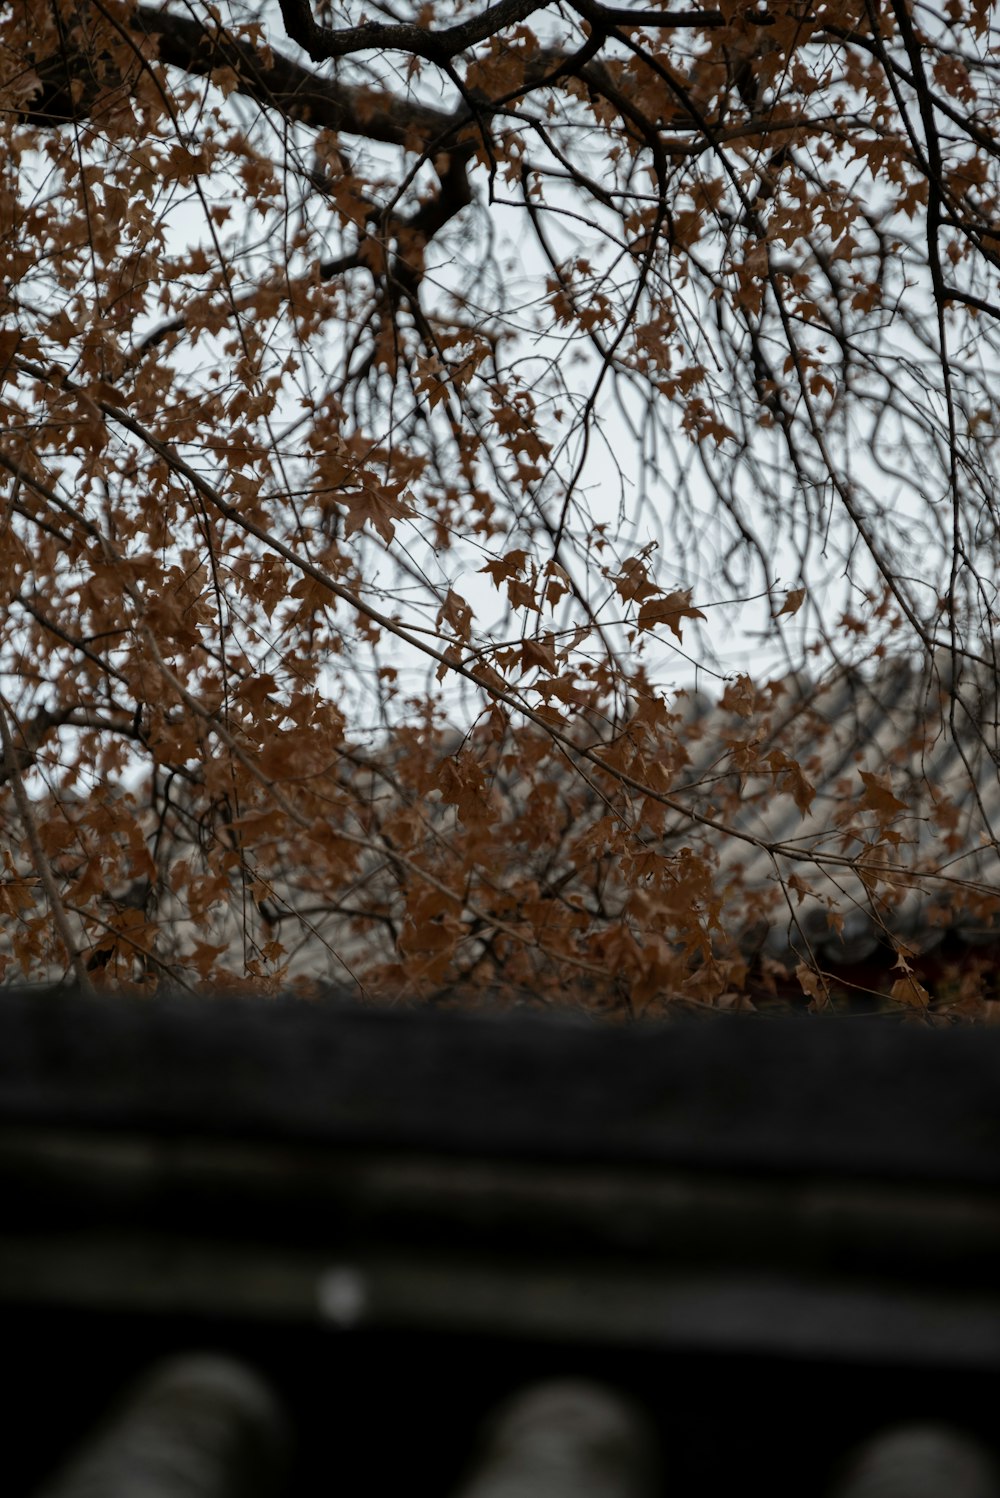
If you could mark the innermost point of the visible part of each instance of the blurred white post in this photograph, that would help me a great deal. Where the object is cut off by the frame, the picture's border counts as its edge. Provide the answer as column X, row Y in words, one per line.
column 195, row 1427
column 920, row 1461
column 565, row 1440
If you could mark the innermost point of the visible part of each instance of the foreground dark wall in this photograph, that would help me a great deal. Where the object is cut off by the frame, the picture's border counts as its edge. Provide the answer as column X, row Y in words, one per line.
column 389, row 1413
column 872, row 1097
column 777, row 1237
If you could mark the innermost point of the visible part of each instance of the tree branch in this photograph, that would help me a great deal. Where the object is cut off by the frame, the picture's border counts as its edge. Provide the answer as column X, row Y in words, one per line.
column 42, row 867
column 298, row 93
column 266, row 76
column 322, row 42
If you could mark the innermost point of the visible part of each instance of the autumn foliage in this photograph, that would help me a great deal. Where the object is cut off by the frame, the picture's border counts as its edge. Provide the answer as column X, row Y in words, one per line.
column 452, row 458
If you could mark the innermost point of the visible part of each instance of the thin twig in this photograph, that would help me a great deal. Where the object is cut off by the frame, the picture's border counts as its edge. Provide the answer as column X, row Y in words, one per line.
column 59, row 917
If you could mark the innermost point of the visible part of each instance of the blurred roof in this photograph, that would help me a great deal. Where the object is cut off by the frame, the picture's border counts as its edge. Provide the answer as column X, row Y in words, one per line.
column 901, row 833
column 842, row 817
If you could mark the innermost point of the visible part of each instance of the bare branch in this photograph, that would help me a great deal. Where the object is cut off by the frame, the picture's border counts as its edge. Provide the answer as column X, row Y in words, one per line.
column 43, row 869
column 277, row 82
column 323, row 42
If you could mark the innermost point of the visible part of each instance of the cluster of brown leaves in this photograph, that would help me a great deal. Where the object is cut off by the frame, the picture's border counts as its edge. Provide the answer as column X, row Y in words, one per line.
column 319, row 656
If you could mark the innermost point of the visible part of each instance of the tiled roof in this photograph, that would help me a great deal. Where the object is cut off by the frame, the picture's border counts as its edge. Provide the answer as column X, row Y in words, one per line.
column 210, row 1427
column 936, row 751
column 841, row 816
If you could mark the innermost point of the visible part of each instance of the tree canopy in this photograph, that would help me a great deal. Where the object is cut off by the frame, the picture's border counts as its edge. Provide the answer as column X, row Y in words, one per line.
column 448, row 453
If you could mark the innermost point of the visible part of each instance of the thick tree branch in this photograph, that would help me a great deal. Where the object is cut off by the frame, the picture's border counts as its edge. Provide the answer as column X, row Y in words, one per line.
column 673, row 20
column 276, row 81
column 34, row 731
column 268, row 77
column 322, row 42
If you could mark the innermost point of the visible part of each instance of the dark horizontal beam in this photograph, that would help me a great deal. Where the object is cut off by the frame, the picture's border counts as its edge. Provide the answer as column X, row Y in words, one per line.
column 677, row 1309
column 808, row 1190
column 867, row 1099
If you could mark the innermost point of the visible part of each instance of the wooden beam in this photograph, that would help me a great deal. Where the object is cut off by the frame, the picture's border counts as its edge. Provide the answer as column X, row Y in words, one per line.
column 866, row 1100
column 822, row 1191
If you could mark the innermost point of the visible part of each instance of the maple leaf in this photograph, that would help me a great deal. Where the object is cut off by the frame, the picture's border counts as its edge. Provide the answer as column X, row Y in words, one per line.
column 813, row 984
column 462, row 784
column 456, row 612
column 791, row 778
column 879, row 796
column 794, row 600
column 740, row 696
column 907, row 990
column 378, row 505
column 539, row 653
column 633, row 581
column 670, row 609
